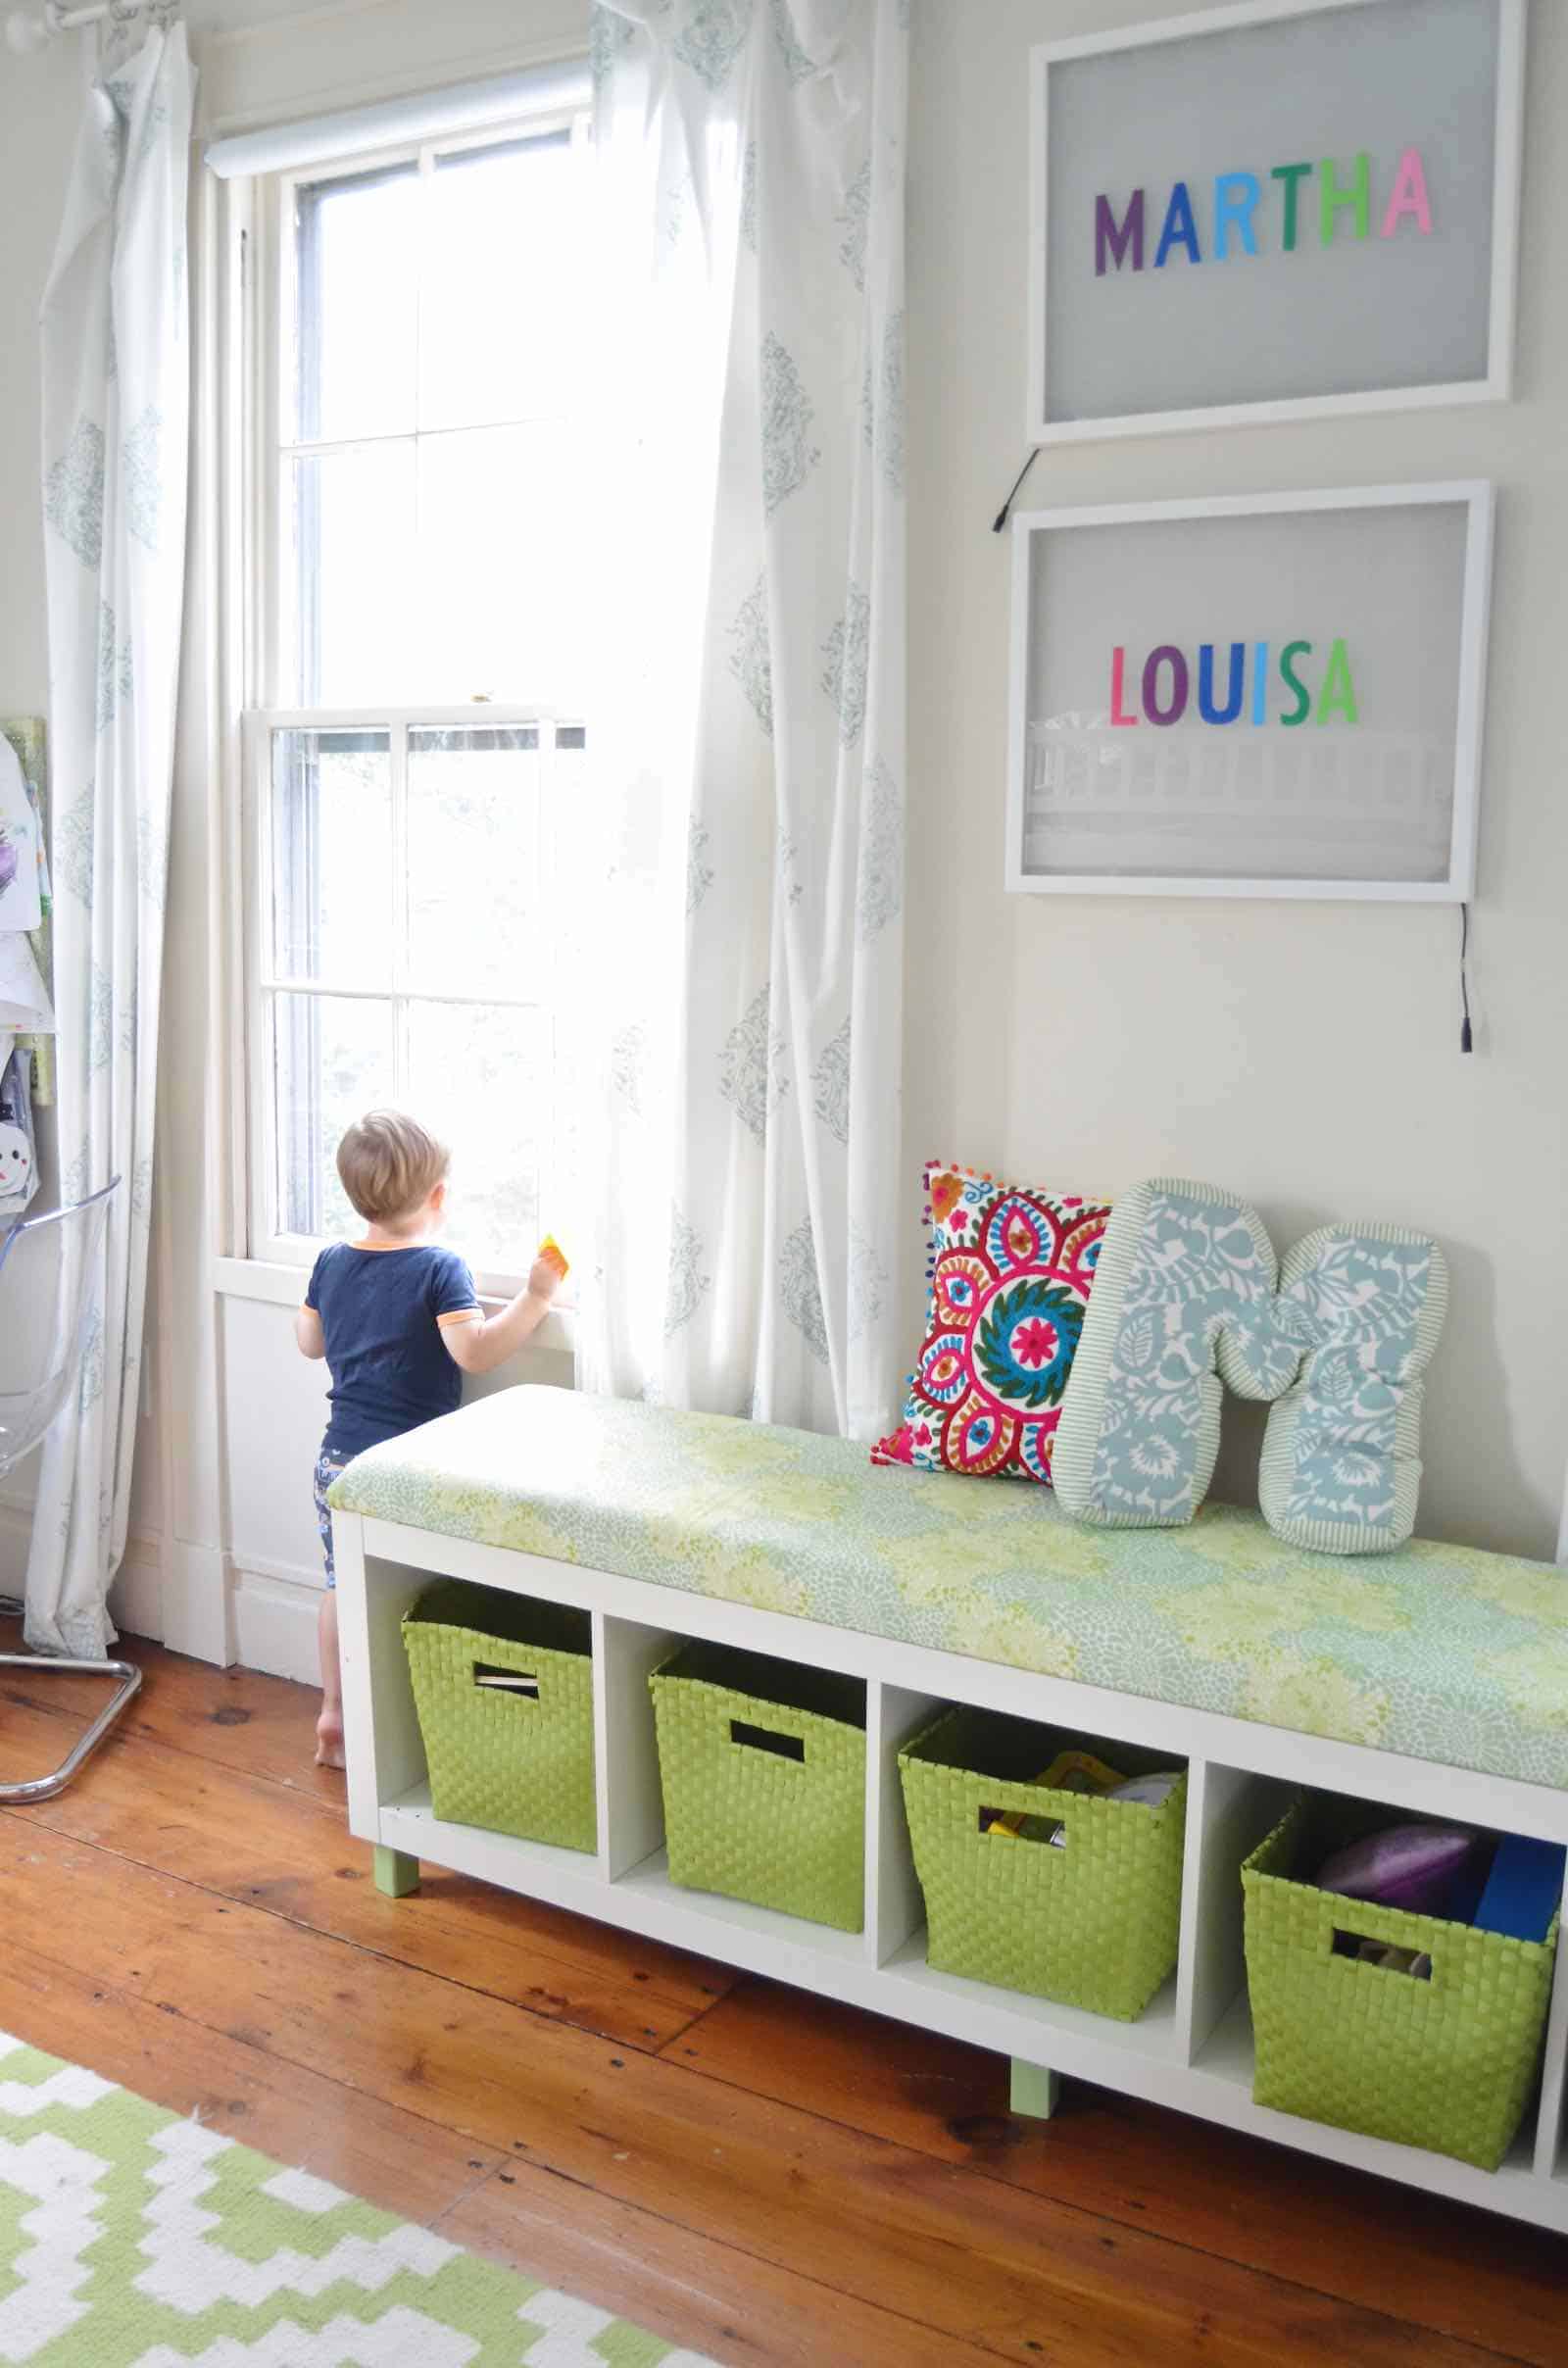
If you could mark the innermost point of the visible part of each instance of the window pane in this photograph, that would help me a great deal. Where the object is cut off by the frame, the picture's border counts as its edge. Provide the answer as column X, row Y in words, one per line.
column 357, row 323
column 332, row 857
column 501, row 554
column 506, row 287
column 333, row 1063
column 478, row 1078
column 354, row 542
column 575, row 862
column 473, row 883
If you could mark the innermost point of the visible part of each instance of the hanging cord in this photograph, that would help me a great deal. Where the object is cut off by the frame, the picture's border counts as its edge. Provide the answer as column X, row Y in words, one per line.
column 1001, row 518
column 1467, row 1039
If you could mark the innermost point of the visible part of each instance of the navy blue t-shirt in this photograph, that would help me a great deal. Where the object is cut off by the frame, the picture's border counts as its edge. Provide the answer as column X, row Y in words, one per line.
column 382, row 1312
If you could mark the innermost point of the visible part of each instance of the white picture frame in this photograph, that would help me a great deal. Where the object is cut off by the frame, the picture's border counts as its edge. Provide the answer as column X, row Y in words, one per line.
column 1469, row 597
column 1493, row 384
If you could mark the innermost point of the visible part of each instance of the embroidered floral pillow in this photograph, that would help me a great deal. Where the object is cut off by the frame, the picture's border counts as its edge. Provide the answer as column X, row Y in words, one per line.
column 1010, row 1274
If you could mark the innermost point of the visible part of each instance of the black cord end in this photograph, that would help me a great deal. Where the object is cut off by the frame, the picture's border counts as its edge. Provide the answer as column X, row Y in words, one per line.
column 1001, row 518
column 1467, row 1040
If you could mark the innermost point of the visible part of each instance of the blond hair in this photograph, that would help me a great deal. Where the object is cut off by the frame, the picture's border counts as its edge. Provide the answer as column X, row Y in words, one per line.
column 391, row 1165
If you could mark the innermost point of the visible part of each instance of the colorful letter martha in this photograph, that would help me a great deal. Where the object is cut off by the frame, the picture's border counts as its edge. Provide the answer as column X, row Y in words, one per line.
column 1242, row 198
column 1188, row 1295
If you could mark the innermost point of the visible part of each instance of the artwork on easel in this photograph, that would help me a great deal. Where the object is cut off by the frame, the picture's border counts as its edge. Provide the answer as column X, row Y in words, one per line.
column 1284, row 209
column 1252, row 695
column 24, row 873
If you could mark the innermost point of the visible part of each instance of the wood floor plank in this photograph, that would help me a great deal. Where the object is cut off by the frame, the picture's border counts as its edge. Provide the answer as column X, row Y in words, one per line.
column 181, row 1816
column 1437, row 2264
column 746, row 2312
column 389, row 2158
column 876, row 2220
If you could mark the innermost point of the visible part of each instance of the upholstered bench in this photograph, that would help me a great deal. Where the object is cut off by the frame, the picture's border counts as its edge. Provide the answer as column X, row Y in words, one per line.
column 1433, row 1679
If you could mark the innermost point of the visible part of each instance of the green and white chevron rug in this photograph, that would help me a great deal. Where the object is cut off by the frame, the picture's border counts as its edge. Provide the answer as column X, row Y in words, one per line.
column 130, row 2239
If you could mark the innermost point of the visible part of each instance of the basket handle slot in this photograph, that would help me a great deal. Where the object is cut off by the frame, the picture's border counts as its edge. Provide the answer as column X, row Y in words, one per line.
column 520, row 1683
column 986, row 1819
column 1382, row 1956
column 766, row 1739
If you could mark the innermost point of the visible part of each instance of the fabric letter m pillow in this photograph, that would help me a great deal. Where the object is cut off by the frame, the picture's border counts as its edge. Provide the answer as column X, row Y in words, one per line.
column 1190, row 1296
column 1011, row 1275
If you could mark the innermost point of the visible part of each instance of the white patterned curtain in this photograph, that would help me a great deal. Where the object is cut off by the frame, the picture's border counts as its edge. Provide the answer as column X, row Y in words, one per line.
column 751, row 725
column 115, row 404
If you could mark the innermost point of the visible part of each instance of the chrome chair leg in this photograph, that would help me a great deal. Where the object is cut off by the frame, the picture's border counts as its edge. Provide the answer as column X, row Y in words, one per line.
column 39, row 1665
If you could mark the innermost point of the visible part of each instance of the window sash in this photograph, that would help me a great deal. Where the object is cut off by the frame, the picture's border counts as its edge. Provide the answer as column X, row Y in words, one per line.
column 275, row 327
column 265, row 983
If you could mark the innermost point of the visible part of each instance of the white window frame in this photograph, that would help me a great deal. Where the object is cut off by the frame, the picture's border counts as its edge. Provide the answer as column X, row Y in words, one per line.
column 261, row 265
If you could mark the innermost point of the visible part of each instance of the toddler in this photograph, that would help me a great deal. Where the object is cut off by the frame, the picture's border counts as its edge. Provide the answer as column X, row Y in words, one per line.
column 399, row 1322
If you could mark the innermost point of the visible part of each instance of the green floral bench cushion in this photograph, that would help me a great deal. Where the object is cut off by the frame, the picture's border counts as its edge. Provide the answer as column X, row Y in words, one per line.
column 1436, row 1651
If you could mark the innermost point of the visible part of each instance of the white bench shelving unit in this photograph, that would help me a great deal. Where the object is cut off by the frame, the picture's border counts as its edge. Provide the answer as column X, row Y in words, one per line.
column 1193, row 2049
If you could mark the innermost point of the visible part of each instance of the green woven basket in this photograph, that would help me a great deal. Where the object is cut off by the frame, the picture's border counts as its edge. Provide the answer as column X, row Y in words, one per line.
column 1446, row 2063
column 1094, row 1923
column 516, row 1762
column 763, row 1772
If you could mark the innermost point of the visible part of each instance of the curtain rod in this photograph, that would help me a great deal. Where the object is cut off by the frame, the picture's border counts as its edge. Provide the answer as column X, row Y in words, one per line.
column 25, row 34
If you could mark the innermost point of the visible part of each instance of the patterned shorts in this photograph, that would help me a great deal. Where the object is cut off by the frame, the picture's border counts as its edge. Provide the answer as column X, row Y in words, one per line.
column 328, row 1468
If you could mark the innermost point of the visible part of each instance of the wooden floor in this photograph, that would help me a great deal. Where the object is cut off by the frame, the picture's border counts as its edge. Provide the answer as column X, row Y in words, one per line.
column 752, row 2173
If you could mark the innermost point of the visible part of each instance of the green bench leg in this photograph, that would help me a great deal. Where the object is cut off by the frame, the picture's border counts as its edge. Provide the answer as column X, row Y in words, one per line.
column 1036, row 2091
column 396, row 1873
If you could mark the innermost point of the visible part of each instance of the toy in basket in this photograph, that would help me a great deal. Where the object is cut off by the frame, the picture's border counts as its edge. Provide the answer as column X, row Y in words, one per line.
column 1084, row 1902
column 1402, row 2023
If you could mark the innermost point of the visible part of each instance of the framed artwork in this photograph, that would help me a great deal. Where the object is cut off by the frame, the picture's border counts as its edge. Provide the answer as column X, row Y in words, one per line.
column 1284, row 209
column 1253, row 695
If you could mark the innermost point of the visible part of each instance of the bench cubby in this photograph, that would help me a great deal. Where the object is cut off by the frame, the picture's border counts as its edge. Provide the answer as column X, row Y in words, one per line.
column 1193, row 2047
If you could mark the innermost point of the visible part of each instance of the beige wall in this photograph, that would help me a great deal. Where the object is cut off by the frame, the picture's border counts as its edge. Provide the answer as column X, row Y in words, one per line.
column 1307, row 1055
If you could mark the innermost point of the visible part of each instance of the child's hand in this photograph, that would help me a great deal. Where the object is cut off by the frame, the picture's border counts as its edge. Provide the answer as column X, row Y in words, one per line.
column 479, row 1347
column 544, row 1277
column 550, row 1269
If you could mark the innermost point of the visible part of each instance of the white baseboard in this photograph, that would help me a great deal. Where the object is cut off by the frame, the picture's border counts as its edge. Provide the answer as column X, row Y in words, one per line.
column 198, row 1617
column 275, row 1625
column 136, row 1597
column 307, row 1575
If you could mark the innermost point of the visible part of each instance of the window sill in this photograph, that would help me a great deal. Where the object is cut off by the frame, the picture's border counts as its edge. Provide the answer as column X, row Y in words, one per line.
column 281, row 1286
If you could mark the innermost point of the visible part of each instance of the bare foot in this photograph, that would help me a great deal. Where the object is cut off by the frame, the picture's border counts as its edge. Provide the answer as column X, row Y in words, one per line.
column 329, row 1741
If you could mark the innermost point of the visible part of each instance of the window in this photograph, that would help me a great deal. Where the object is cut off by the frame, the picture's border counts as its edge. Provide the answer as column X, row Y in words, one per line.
column 417, row 760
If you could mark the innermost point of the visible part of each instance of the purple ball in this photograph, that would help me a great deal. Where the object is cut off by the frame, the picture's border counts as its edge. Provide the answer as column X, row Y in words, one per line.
column 1409, row 1866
